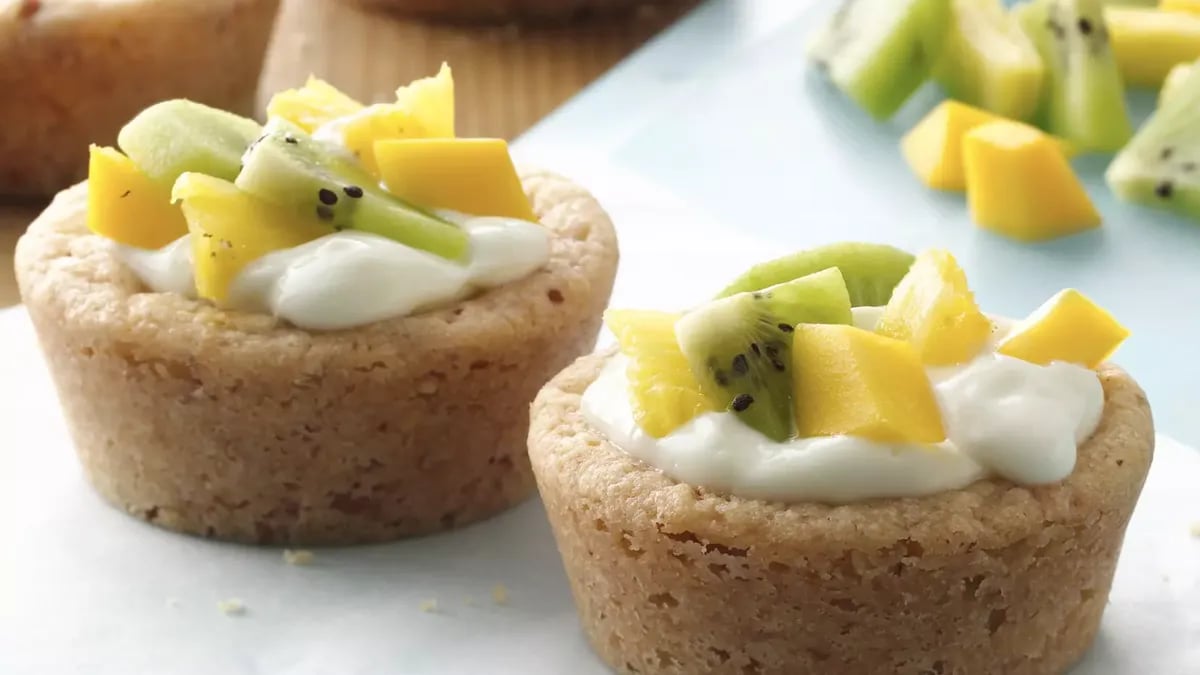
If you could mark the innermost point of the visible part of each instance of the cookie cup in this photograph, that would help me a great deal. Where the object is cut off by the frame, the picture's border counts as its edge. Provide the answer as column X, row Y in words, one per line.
column 236, row 426
column 74, row 73
column 994, row 578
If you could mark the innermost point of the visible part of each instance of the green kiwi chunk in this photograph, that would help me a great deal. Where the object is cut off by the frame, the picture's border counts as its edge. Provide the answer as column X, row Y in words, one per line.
column 288, row 167
column 178, row 136
column 739, row 347
column 870, row 271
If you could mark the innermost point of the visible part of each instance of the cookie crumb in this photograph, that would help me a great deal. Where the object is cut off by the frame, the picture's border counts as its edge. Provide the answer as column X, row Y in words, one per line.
column 429, row 606
column 297, row 557
column 500, row 594
column 232, row 607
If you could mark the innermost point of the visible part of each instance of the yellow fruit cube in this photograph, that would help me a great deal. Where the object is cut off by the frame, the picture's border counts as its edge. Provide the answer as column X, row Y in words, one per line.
column 1068, row 327
column 1019, row 184
column 125, row 205
column 431, row 102
column 1192, row 6
column 361, row 131
column 312, row 105
column 471, row 175
column 1147, row 43
column 933, row 309
column 230, row 228
column 853, row 382
column 664, row 393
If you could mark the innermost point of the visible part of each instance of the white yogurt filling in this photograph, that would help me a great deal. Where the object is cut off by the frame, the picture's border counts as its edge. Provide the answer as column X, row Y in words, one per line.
column 1003, row 417
column 349, row 278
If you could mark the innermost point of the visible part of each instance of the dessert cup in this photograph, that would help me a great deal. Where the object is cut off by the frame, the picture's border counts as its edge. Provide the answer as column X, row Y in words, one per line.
column 74, row 72
column 994, row 578
column 236, row 426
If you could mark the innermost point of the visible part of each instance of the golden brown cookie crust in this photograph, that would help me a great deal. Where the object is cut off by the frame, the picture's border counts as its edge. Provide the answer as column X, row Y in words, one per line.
column 74, row 73
column 994, row 578
column 236, row 426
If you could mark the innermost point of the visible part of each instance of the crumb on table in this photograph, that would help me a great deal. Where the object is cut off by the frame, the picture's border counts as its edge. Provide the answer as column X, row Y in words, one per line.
column 232, row 607
column 500, row 594
column 297, row 557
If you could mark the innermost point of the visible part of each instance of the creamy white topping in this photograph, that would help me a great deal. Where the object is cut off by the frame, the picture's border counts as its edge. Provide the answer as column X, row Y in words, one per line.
column 1003, row 417
column 348, row 278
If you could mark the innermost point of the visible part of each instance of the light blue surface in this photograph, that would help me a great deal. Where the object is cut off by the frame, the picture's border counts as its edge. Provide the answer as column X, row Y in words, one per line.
column 723, row 111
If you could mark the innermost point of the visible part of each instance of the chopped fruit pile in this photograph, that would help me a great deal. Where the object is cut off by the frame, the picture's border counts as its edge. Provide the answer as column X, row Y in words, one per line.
column 241, row 190
column 781, row 352
column 1061, row 67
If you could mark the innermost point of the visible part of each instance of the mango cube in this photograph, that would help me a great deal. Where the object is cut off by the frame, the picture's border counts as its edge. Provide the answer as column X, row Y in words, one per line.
column 125, row 205
column 471, row 175
column 853, row 382
column 231, row 228
column 361, row 131
column 1068, row 327
column 1147, row 43
column 312, row 105
column 1019, row 184
column 933, row 148
column 431, row 102
column 933, row 309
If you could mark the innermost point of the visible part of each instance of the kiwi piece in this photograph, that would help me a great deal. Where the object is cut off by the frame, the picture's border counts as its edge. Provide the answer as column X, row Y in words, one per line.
column 1083, row 97
column 178, row 136
column 739, row 347
column 870, row 271
column 288, row 167
column 1160, row 167
column 881, row 51
column 989, row 62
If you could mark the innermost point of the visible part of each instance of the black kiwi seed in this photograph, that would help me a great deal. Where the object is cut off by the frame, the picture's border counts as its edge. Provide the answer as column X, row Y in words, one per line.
column 1085, row 26
column 1164, row 189
column 327, row 196
column 754, row 348
column 1166, row 153
column 353, row 191
column 720, row 378
column 290, row 139
column 778, row 365
column 324, row 212
column 741, row 402
column 772, row 352
column 786, row 328
column 740, row 365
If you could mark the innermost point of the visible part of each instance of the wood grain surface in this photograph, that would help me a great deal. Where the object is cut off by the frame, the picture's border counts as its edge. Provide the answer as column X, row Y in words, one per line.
column 507, row 76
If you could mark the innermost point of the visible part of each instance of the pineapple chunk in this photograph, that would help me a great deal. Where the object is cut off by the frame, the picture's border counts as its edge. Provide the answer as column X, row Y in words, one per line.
column 1148, row 42
column 1068, row 327
column 312, row 105
column 231, row 228
column 933, row 309
column 471, row 175
column 1020, row 184
column 853, row 382
column 125, row 205
column 664, row 393
column 431, row 101
column 1192, row 6
column 933, row 148
column 1173, row 82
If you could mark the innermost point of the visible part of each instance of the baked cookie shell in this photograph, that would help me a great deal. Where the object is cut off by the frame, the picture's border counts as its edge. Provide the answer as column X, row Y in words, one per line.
column 994, row 578
column 235, row 426
column 74, row 73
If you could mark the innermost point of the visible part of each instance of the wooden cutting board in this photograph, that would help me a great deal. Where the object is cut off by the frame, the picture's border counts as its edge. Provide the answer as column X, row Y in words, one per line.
column 507, row 77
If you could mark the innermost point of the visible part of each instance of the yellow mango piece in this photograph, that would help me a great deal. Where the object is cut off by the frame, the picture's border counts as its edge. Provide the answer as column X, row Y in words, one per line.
column 431, row 102
column 853, row 382
column 230, row 228
column 663, row 392
column 1192, row 6
column 933, row 147
column 1147, row 43
column 312, row 105
column 471, row 175
column 1019, row 184
column 360, row 132
column 1067, row 327
column 125, row 205
column 934, row 310
column 1174, row 81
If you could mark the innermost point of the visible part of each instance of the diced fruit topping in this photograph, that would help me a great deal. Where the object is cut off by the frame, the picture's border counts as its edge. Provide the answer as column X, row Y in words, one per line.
column 436, row 173
column 663, row 392
column 1019, row 184
column 870, row 271
column 312, row 105
column 1149, row 42
column 288, row 168
column 231, row 228
column 858, row 383
column 1160, row 168
column 1068, row 327
column 880, row 51
column 988, row 61
column 1173, row 81
column 934, row 310
column 933, row 148
column 738, row 348
column 125, row 205
column 431, row 101
column 1083, row 99
column 173, row 137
